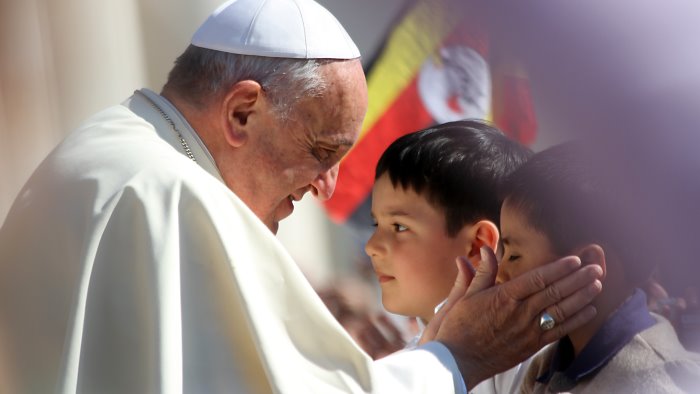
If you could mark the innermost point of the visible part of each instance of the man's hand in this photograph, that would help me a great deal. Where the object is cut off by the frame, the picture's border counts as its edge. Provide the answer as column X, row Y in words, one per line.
column 490, row 328
column 465, row 275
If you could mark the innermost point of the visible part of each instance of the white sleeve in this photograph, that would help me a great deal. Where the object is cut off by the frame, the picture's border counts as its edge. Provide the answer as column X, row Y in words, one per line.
column 429, row 368
column 446, row 358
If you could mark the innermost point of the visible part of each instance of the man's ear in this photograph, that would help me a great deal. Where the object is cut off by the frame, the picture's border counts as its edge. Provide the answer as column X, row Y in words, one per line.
column 481, row 233
column 593, row 254
column 240, row 103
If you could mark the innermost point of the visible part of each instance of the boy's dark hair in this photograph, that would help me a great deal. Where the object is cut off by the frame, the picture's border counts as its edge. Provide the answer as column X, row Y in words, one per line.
column 571, row 194
column 458, row 166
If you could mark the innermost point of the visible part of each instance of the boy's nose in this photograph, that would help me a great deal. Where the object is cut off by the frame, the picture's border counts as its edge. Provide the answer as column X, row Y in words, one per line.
column 372, row 246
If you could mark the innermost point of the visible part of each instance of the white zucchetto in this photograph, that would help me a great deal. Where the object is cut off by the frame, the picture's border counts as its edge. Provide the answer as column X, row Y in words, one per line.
column 300, row 29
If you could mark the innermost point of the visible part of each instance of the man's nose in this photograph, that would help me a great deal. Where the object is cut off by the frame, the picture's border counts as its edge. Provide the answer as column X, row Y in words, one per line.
column 324, row 185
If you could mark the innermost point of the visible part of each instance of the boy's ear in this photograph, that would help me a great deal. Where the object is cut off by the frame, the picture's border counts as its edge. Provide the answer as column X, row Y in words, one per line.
column 481, row 233
column 240, row 103
column 593, row 254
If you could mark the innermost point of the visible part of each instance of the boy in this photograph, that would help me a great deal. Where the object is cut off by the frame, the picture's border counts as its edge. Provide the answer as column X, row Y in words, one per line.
column 435, row 198
column 561, row 202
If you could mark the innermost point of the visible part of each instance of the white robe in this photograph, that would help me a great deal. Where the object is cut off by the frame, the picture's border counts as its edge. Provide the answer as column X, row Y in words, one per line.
column 127, row 267
column 506, row 382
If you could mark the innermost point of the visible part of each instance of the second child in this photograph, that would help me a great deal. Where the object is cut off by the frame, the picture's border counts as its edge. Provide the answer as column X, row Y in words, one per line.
column 564, row 202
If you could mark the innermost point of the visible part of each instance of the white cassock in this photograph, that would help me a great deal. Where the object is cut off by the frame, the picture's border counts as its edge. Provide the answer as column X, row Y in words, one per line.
column 127, row 267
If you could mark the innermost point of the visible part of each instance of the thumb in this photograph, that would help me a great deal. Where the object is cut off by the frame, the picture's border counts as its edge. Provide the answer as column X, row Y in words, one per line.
column 465, row 274
column 485, row 275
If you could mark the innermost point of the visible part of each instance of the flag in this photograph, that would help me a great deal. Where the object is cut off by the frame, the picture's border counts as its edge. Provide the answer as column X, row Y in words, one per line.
column 435, row 67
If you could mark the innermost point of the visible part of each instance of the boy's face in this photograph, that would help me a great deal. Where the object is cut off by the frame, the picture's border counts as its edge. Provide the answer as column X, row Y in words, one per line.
column 524, row 248
column 411, row 253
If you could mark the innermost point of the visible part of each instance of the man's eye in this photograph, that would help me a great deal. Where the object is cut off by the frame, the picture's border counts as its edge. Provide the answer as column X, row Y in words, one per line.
column 319, row 154
column 399, row 228
column 322, row 154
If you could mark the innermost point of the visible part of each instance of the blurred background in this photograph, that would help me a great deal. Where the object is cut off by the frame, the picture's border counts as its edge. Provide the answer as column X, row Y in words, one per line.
column 627, row 70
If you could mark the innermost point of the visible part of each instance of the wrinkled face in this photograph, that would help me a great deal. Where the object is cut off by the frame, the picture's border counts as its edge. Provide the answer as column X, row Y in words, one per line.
column 411, row 253
column 301, row 154
column 524, row 248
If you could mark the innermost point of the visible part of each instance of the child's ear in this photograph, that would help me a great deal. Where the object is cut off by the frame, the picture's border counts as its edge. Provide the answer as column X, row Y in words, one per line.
column 593, row 254
column 481, row 233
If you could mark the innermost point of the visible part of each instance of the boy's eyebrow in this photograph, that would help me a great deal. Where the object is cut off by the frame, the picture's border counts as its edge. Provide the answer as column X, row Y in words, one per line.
column 391, row 213
column 509, row 241
column 398, row 212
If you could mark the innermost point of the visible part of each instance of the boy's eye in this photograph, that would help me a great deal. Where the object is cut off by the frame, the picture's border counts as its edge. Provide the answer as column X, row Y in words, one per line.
column 399, row 228
column 513, row 257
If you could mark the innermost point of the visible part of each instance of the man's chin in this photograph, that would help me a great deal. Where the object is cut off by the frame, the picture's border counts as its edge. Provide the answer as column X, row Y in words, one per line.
column 283, row 211
column 274, row 223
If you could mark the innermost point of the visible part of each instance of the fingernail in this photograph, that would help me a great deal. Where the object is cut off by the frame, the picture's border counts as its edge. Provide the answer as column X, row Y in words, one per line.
column 484, row 253
column 595, row 288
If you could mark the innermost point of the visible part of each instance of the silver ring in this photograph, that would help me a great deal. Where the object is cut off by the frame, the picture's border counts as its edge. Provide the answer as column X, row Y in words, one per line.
column 547, row 322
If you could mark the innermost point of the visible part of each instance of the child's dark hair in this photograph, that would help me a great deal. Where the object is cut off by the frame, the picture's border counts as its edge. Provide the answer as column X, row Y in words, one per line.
column 568, row 194
column 458, row 166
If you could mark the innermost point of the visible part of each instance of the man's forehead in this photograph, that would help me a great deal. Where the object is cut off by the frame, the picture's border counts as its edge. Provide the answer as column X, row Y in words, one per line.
column 333, row 124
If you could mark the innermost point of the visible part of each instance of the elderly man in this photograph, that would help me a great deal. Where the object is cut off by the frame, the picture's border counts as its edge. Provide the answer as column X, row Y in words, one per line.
column 140, row 256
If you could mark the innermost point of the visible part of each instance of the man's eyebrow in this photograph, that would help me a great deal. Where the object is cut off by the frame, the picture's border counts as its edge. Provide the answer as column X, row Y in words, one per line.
column 335, row 144
column 344, row 142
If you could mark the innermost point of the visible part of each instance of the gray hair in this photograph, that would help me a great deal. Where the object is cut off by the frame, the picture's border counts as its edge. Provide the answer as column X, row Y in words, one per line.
column 200, row 75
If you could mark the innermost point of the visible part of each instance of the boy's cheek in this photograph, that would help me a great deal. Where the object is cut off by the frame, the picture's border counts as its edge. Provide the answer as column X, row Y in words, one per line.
column 501, row 275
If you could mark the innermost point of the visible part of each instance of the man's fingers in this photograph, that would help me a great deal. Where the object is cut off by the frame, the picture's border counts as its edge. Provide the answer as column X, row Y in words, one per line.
column 486, row 273
column 572, row 311
column 538, row 279
column 465, row 275
column 562, row 291
column 577, row 320
column 568, row 306
column 568, row 295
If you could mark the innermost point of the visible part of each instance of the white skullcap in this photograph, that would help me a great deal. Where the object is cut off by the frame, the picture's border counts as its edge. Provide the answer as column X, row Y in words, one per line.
column 276, row 28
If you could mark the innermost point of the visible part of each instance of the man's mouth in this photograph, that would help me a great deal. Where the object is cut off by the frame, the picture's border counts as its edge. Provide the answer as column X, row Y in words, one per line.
column 284, row 209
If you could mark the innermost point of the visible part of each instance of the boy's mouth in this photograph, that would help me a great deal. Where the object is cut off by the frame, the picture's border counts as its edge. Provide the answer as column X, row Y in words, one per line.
column 383, row 278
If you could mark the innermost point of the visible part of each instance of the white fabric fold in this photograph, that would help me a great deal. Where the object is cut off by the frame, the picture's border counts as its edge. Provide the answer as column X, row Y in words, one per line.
column 128, row 267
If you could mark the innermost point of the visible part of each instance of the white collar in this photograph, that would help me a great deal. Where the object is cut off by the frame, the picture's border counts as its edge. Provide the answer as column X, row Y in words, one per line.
column 154, row 108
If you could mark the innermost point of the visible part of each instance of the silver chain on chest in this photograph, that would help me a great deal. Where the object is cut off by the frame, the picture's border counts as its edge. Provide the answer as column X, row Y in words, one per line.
column 165, row 116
